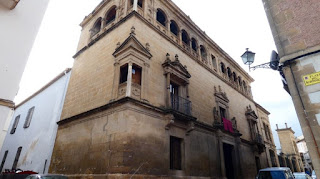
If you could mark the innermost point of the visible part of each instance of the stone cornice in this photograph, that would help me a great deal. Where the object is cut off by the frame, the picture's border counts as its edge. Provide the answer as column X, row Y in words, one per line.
column 300, row 54
column 7, row 103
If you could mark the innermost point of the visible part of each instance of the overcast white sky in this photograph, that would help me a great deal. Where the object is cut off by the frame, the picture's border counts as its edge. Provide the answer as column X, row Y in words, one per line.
column 233, row 24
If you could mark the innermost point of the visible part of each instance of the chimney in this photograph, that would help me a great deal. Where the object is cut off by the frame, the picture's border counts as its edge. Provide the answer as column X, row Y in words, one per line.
column 277, row 126
column 286, row 125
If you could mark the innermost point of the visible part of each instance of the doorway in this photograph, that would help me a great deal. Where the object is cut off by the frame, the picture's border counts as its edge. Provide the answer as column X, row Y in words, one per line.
column 228, row 152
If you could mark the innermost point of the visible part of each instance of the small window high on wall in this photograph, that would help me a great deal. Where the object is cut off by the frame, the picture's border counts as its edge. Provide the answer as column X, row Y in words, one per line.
column 214, row 61
column 111, row 15
column 136, row 74
column 123, row 73
column 174, row 28
column 96, row 27
column 161, row 17
column 185, row 37
column 194, row 44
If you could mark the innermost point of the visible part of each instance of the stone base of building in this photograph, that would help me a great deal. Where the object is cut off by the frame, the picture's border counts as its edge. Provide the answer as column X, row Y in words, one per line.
column 130, row 176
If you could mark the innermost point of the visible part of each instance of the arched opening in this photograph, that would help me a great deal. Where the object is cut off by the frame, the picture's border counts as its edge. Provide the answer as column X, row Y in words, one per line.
column 214, row 61
column 239, row 81
column 223, row 68
column 96, row 27
column 244, row 86
column 161, row 17
column 185, row 37
column 111, row 15
column 194, row 44
column 229, row 72
column 234, row 77
column 203, row 52
column 174, row 28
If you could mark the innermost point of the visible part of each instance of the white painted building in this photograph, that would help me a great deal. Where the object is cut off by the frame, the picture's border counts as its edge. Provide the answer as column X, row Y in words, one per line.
column 19, row 25
column 32, row 132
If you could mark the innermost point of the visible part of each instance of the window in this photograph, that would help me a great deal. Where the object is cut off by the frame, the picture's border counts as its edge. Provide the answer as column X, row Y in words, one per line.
column 214, row 61
column 136, row 74
column 185, row 37
column 223, row 68
column 203, row 52
column 174, row 28
column 111, row 15
column 223, row 113
column 29, row 117
column 161, row 17
column 175, row 153
column 194, row 44
column 15, row 125
column 123, row 73
column 234, row 77
column 229, row 72
column 4, row 160
column 15, row 163
column 244, row 86
column 239, row 81
column 96, row 27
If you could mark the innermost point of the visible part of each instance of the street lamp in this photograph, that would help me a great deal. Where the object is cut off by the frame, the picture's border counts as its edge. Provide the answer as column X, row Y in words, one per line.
column 248, row 59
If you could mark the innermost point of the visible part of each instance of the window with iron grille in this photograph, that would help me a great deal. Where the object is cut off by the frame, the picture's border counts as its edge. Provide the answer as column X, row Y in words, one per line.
column 29, row 117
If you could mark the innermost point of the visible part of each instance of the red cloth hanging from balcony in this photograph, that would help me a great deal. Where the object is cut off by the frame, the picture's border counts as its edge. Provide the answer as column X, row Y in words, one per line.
column 227, row 125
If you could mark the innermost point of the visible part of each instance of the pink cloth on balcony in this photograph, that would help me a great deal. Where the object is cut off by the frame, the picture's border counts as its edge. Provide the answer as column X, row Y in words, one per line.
column 227, row 125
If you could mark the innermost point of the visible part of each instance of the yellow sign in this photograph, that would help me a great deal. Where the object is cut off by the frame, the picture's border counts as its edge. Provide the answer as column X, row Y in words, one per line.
column 312, row 79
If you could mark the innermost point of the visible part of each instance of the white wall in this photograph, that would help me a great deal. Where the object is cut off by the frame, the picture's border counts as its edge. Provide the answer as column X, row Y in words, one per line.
column 37, row 140
column 18, row 30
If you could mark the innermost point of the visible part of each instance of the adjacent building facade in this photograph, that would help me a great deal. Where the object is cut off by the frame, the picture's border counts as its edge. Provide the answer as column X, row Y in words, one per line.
column 30, row 140
column 20, row 22
column 295, row 28
column 289, row 156
column 304, row 152
column 151, row 95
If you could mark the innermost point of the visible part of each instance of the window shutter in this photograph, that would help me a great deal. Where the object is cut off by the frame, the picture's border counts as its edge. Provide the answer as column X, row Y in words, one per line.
column 15, row 163
column 29, row 117
column 15, row 125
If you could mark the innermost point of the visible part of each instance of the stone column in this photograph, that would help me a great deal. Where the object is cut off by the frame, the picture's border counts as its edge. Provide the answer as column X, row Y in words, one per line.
column 135, row 5
column 129, row 80
column 168, row 90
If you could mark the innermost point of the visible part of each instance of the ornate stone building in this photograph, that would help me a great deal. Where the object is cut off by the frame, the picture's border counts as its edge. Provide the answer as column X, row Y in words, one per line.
column 289, row 156
column 152, row 95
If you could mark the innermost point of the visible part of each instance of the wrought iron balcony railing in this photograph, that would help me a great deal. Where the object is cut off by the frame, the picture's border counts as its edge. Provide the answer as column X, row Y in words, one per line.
column 181, row 104
column 259, row 139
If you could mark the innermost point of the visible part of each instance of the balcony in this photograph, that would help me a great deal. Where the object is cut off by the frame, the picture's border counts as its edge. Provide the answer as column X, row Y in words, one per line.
column 259, row 143
column 259, row 139
column 181, row 104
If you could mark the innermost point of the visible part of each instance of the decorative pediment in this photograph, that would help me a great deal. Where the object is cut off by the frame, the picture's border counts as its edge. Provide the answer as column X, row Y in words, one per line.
column 133, row 44
column 220, row 95
column 251, row 114
column 179, row 72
